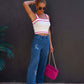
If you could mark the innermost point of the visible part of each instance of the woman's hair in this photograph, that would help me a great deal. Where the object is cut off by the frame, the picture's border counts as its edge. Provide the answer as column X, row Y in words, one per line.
column 42, row 1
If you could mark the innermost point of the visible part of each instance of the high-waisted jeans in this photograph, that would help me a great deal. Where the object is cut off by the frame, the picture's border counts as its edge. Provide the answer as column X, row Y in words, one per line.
column 38, row 59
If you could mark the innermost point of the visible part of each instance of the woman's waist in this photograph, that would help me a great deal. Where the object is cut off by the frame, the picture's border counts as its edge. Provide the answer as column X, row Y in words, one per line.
column 42, row 34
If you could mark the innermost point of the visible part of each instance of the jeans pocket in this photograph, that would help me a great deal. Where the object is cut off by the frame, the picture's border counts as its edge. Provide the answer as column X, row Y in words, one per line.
column 36, row 38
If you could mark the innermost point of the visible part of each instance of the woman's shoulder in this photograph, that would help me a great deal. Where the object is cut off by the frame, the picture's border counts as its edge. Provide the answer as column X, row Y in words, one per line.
column 46, row 15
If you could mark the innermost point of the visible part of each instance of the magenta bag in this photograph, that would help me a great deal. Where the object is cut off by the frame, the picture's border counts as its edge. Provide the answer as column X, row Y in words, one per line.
column 50, row 71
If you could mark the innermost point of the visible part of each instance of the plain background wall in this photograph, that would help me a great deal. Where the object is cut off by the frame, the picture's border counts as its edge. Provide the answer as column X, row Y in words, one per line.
column 67, row 32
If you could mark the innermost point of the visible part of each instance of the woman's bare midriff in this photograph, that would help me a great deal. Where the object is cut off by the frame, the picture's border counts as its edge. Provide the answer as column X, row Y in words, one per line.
column 43, row 34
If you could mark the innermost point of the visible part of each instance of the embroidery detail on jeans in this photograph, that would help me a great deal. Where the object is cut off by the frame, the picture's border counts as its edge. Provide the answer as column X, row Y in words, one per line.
column 36, row 46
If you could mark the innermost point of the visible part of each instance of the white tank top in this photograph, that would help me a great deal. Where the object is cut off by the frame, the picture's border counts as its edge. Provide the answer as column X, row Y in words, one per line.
column 41, row 25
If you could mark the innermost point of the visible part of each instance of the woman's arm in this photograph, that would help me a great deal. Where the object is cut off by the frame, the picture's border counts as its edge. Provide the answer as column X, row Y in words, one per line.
column 28, row 9
column 50, row 42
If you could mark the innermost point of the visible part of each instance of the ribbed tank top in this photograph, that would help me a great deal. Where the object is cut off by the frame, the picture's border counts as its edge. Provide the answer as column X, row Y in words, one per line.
column 41, row 25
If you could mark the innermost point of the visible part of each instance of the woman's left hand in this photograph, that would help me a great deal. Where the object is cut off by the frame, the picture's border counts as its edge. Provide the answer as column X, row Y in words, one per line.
column 51, row 49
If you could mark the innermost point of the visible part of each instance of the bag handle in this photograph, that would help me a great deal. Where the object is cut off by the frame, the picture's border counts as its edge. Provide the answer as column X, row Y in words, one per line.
column 53, row 59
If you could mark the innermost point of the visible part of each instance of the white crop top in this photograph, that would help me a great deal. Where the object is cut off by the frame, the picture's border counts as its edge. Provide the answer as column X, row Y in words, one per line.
column 41, row 25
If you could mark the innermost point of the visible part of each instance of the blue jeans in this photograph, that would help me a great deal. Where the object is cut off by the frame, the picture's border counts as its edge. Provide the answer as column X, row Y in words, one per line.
column 38, row 59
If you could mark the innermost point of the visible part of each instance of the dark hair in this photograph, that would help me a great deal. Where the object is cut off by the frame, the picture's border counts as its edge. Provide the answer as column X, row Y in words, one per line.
column 38, row 1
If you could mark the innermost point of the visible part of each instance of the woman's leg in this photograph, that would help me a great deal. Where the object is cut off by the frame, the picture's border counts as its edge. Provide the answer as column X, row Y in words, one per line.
column 33, row 64
column 43, row 61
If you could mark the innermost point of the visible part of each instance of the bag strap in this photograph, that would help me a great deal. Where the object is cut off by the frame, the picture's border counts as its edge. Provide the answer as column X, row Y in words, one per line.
column 53, row 59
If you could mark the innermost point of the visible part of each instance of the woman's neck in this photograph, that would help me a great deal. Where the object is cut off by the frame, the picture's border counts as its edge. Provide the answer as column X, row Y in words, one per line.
column 39, row 13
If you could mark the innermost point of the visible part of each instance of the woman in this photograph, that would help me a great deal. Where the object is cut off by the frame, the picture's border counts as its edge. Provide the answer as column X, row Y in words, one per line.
column 41, row 43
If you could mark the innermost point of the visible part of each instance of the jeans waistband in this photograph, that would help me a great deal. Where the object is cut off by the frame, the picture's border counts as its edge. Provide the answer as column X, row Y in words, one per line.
column 47, row 36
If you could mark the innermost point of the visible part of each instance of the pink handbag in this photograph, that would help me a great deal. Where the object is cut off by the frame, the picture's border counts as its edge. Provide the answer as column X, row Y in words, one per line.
column 50, row 71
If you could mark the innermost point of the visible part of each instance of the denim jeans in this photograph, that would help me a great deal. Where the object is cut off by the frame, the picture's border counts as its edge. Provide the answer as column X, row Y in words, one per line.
column 38, row 59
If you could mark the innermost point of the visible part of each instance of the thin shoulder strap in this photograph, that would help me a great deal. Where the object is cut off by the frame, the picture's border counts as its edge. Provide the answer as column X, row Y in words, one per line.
column 36, row 15
column 47, row 15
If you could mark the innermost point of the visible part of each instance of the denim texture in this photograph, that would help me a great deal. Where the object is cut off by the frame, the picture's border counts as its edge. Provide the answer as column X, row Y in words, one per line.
column 38, row 59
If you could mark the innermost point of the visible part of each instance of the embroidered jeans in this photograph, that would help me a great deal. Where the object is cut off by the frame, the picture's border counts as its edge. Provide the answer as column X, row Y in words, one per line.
column 38, row 59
